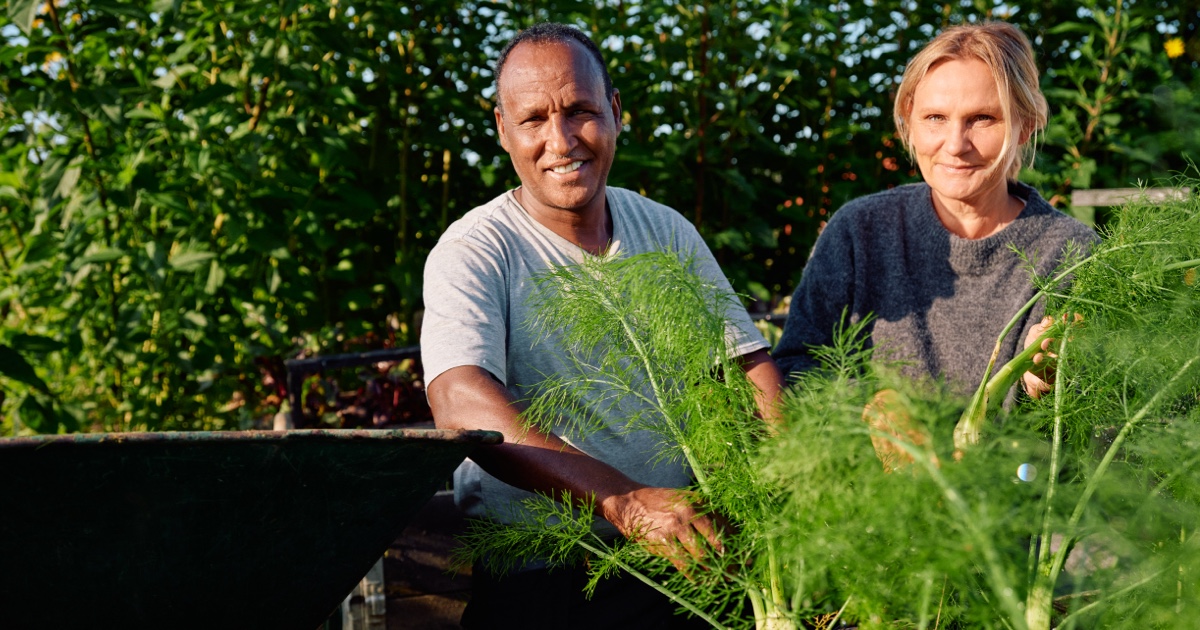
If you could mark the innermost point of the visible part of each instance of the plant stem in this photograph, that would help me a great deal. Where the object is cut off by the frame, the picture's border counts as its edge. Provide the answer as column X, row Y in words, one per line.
column 773, row 576
column 645, row 579
column 1040, row 600
column 1102, row 468
column 840, row 611
column 756, row 604
column 648, row 363
column 1179, row 579
column 970, row 426
column 926, row 597
column 1183, row 264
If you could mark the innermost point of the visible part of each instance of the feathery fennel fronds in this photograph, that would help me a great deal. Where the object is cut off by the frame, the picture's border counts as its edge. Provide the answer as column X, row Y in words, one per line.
column 648, row 342
column 1077, row 510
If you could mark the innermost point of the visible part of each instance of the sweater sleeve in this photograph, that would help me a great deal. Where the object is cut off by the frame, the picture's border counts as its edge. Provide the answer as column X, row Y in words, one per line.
column 825, row 292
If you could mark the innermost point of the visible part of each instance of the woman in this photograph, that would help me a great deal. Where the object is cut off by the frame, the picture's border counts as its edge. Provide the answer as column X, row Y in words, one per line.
column 934, row 261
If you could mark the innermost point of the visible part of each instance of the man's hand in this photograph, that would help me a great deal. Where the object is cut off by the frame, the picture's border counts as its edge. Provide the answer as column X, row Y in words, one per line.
column 666, row 522
column 468, row 397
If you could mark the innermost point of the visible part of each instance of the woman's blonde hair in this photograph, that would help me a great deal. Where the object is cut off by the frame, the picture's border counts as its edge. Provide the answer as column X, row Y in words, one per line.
column 1005, row 49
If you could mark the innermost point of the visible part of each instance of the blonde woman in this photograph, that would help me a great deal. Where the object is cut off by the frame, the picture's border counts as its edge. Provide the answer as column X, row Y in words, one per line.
column 933, row 261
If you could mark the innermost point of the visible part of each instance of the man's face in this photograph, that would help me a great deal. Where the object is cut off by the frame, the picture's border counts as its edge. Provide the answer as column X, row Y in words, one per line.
column 557, row 127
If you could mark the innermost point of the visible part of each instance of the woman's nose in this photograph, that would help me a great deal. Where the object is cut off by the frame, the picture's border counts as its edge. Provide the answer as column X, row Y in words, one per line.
column 958, row 140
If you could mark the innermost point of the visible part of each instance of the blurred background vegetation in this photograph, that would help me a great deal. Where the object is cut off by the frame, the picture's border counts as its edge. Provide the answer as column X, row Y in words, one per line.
column 191, row 192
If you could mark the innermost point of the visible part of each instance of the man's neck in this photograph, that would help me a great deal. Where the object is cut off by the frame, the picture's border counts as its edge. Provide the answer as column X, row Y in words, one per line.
column 590, row 228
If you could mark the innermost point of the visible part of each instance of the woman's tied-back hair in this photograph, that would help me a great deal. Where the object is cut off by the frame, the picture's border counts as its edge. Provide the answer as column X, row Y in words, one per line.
column 1006, row 50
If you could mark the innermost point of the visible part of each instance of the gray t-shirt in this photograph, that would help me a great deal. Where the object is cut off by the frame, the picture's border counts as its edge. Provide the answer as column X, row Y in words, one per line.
column 478, row 280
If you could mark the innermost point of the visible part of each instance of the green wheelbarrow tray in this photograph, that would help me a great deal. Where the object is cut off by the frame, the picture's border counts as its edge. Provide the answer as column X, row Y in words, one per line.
column 255, row 529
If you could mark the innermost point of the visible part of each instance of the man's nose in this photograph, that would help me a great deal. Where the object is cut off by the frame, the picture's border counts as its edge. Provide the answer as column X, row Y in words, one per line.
column 560, row 135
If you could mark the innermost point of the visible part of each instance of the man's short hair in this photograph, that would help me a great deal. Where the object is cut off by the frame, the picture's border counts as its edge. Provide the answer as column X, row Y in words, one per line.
column 551, row 33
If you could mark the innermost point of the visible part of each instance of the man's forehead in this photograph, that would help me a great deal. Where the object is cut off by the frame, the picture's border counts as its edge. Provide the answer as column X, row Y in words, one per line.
column 540, row 61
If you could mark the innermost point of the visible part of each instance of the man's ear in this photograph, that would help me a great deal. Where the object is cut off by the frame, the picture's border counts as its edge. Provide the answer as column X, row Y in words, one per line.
column 616, row 108
column 500, row 128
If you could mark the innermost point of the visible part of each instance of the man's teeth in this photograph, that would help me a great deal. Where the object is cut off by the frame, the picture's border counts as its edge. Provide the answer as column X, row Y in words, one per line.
column 567, row 168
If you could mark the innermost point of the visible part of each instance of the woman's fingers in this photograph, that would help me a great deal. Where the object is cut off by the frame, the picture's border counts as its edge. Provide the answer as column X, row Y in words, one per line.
column 1040, row 378
column 886, row 415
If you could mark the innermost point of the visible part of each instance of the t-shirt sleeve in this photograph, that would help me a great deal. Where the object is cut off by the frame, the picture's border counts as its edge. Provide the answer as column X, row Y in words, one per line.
column 741, row 335
column 466, row 310
column 825, row 291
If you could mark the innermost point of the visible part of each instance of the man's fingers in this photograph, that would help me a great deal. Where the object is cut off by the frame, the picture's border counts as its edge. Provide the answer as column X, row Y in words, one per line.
column 690, row 542
column 663, row 549
column 707, row 528
column 668, row 524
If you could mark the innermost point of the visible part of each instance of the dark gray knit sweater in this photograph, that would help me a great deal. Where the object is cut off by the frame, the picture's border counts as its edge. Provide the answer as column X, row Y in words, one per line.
column 939, row 300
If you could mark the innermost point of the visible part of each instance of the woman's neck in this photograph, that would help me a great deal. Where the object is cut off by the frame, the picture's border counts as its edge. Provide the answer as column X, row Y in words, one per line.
column 981, row 217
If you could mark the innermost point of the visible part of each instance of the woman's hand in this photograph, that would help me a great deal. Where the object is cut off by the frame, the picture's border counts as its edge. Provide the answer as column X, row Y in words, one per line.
column 887, row 415
column 1040, row 379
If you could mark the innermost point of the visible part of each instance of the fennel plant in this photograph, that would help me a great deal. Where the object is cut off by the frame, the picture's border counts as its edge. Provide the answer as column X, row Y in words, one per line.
column 648, row 337
column 1076, row 510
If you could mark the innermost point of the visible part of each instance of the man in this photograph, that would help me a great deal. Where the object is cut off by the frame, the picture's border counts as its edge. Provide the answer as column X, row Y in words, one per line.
column 558, row 118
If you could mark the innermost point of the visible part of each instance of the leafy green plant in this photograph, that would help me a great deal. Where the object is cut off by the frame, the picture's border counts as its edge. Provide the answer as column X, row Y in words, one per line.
column 1077, row 510
column 647, row 339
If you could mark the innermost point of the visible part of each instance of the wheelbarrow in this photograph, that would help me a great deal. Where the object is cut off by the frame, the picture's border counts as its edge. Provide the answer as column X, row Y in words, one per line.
column 255, row 529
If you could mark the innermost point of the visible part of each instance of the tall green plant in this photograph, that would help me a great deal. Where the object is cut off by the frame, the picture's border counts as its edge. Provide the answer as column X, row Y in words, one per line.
column 1074, row 511
column 187, row 187
column 1077, row 510
column 647, row 339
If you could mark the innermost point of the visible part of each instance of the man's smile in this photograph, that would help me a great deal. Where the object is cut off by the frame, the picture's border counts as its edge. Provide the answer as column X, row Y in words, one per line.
column 569, row 167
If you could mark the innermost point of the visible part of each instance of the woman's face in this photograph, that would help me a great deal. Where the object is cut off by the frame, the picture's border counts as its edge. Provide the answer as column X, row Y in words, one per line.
column 958, row 132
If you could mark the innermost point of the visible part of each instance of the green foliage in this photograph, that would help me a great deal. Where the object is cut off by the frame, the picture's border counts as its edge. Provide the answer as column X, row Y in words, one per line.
column 187, row 186
column 191, row 186
column 1078, row 510
column 946, row 541
column 617, row 319
column 1099, row 537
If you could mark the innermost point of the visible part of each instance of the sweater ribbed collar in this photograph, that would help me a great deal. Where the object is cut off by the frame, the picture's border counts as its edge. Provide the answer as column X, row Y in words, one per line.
column 978, row 256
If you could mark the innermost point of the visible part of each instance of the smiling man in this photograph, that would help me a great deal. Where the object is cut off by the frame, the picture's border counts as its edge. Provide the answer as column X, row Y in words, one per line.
column 558, row 118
